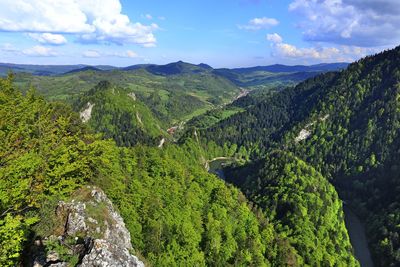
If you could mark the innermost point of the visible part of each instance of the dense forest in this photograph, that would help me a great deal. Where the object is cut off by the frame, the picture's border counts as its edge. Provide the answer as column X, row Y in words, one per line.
column 295, row 153
column 177, row 213
column 346, row 126
column 301, row 203
column 118, row 114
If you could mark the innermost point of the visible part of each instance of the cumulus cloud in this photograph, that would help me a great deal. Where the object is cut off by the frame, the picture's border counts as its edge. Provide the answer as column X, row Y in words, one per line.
column 317, row 53
column 48, row 38
column 259, row 23
column 274, row 38
column 291, row 51
column 365, row 23
column 91, row 20
column 39, row 51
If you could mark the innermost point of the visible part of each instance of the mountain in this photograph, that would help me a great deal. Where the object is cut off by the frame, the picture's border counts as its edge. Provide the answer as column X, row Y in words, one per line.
column 174, row 68
column 175, row 211
column 276, row 75
column 179, row 67
column 118, row 114
column 86, row 68
column 322, row 67
column 264, row 77
column 45, row 70
column 289, row 149
column 171, row 99
column 346, row 126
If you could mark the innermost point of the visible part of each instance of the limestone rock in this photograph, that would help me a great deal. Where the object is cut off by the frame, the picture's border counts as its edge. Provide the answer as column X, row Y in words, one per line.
column 92, row 231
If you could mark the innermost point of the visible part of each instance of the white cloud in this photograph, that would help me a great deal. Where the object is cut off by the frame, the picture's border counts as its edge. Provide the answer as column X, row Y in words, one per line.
column 259, row 23
column 317, row 53
column 91, row 20
column 48, row 38
column 39, row 51
column 291, row 51
column 91, row 54
column 127, row 54
column 96, row 54
column 365, row 23
column 274, row 37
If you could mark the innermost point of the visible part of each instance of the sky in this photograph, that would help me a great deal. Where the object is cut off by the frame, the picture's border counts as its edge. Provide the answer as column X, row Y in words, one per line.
column 221, row 33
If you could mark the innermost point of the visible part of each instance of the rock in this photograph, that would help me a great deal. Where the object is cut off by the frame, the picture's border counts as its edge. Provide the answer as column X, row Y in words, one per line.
column 86, row 114
column 59, row 264
column 93, row 232
column 52, row 256
column 106, row 254
column 132, row 95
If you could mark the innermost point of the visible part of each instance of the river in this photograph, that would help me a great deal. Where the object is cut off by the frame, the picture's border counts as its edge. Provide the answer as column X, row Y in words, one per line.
column 358, row 239
column 216, row 166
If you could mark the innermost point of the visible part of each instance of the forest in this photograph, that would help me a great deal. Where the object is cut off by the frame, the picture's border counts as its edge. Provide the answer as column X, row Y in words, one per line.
column 350, row 122
column 297, row 153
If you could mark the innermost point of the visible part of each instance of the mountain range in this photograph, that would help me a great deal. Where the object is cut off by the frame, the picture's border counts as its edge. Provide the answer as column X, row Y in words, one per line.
column 205, row 167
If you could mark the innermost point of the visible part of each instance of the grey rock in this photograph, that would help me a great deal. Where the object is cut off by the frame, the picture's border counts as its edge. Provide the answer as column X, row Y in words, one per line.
column 105, row 254
column 52, row 256
column 98, row 233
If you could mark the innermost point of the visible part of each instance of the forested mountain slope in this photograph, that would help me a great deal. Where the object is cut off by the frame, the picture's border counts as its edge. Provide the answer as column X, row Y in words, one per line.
column 176, row 212
column 346, row 125
column 118, row 114
column 301, row 203
column 173, row 97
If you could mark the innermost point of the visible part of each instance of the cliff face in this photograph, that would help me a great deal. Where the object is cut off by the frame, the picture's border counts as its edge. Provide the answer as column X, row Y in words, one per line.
column 89, row 232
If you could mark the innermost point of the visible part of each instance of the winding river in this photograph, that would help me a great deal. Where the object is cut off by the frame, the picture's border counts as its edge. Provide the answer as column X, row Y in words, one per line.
column 358, row 239
column 354, row 226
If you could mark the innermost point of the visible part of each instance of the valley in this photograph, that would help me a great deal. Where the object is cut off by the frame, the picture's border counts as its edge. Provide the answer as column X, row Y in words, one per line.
column 231, row 133
column 258, row 166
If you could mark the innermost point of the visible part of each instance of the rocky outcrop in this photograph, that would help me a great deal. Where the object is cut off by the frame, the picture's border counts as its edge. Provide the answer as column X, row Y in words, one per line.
column 93, row 234
column 86, row 114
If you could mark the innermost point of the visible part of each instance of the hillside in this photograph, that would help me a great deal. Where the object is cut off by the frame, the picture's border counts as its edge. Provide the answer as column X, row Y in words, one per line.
column 302, row 205
column 171, row 98
column 346, row 126
column 118, row 114
column 48, row 155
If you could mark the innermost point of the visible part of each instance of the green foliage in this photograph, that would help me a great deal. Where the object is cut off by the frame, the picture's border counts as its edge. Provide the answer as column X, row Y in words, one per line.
column 43, row 155
column 353, row 121
column 13, row 233
column 171, row 98
column 178, row 214
column 119, row 115
column 304, row 207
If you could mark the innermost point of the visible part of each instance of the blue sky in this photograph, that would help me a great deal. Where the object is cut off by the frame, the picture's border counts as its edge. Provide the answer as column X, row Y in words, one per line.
column 222, row 33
